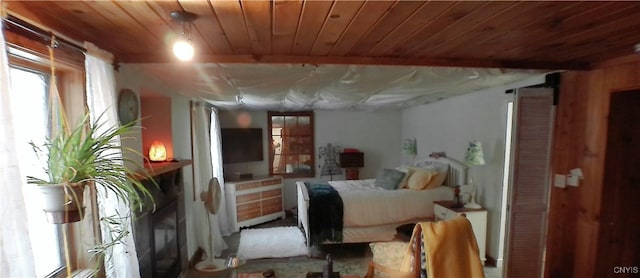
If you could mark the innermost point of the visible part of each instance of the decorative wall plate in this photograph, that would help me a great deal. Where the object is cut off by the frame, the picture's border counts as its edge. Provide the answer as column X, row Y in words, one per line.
column 127, row 106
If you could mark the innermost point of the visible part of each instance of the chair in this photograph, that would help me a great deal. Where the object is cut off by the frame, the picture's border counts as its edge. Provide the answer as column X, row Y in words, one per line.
column 444, row 249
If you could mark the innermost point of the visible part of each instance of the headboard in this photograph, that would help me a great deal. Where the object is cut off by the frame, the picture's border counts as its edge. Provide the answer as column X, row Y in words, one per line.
column 457, row 174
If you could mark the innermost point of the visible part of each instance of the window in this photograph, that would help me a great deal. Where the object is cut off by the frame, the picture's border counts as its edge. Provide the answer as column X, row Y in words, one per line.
column 29, row 97
column 291, row 151
column 30, row 75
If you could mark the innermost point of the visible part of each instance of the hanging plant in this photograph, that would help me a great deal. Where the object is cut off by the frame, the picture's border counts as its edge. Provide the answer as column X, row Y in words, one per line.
column 85, row 156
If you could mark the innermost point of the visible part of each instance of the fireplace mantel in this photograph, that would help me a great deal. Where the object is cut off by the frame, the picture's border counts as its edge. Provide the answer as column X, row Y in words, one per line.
column 158, row 168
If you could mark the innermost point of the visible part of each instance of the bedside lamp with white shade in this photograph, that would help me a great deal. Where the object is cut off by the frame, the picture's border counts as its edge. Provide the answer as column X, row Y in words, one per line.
column 474, row 157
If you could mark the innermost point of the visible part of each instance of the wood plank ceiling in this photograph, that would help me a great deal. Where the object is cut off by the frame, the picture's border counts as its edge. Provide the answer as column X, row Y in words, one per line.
column 502, row 34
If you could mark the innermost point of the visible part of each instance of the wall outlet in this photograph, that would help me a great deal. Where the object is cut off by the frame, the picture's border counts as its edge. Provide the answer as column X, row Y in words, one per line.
column 560, row 181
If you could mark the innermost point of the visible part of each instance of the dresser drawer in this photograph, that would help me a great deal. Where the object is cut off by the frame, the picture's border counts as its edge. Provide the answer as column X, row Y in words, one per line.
column 270, row 182
column 272, row 205
column 247, row 185
column 271, row 193
column 247, row 215
column 442, row 213
column 247, row 197
column 248, row 211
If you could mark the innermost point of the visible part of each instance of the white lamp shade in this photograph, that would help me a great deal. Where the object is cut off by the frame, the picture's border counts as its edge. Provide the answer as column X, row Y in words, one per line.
column 474, row 155
column 183, row 50
column 410, row 147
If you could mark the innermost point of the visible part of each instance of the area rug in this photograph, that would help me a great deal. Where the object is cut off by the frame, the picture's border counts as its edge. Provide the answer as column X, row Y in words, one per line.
column 276, row 242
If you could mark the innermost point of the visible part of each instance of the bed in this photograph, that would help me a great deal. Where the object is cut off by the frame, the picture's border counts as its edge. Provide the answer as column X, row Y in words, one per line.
column 372, row 213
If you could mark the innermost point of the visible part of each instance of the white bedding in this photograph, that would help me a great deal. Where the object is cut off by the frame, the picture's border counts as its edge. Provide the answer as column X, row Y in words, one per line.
column 367, row 205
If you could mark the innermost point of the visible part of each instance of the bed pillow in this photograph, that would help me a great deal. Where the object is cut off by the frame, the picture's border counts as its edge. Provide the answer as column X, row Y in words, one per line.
column 389, row 178
column 408, row 171
column 442, row 172
column 420, row 178
column 403, row 168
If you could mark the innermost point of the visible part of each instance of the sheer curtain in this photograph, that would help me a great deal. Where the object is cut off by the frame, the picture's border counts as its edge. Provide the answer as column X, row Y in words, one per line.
column 16, row 255
column 101, row 98
column 208, row 233
column 216, row 163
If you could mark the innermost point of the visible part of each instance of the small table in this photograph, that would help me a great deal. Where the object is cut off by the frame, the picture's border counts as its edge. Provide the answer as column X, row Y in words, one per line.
column 444, row 210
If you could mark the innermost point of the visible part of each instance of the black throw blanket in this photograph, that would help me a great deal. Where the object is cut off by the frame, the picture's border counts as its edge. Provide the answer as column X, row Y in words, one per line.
column 325, row 213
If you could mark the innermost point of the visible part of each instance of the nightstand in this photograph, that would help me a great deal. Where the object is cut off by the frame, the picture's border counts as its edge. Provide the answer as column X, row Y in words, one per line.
column 443, row 210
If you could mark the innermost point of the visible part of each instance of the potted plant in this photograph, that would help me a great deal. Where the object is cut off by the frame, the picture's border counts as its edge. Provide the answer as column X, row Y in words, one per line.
column 84, row 155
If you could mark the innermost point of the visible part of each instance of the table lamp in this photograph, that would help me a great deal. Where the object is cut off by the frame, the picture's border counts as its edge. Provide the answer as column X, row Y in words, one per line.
column 474, row 157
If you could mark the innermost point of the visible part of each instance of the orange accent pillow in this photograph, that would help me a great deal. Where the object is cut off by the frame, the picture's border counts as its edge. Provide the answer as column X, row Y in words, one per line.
column 420, row 178
column 439, row 178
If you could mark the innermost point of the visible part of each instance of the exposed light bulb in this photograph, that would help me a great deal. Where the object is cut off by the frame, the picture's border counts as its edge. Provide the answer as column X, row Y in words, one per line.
column 183, row 49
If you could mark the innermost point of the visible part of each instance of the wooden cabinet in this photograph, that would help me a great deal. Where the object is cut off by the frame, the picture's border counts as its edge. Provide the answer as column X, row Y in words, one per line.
column 254, row 201
column 443, row 210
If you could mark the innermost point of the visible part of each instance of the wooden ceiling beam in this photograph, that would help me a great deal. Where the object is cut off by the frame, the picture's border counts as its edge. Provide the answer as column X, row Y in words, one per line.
column 355, row 60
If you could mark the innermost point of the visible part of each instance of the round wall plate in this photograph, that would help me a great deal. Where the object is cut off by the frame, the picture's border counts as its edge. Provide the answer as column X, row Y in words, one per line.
column 127, row 106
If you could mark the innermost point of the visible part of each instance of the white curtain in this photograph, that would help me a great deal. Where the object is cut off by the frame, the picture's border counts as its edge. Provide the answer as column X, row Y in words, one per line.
column 16, row 255
column 216, row 161
column 209, row 237
column 101, row 98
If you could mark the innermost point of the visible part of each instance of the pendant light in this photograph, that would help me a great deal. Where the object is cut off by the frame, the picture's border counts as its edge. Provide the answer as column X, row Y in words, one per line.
column 183, row 47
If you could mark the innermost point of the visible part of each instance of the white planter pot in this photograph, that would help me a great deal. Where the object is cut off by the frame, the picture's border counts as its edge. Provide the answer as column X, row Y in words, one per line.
column 62, row 203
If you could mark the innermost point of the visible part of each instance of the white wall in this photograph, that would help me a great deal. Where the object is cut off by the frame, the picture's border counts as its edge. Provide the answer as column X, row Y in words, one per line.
column 448, row 126
column 181, row 133
column 374, row 133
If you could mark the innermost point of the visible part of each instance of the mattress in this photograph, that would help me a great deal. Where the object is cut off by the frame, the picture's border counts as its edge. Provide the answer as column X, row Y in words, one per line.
column 368, row 205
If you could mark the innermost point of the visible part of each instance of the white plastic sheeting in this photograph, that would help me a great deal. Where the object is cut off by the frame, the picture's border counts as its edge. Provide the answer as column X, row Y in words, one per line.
column 289, row 87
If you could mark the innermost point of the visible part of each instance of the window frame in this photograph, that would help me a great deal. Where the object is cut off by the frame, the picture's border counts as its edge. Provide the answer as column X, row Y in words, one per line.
column 70, row 81
column 38, row 70
column 310, row 145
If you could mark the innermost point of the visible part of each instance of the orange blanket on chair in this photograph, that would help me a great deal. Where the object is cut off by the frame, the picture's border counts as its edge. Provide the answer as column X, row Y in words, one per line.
column 451, row 249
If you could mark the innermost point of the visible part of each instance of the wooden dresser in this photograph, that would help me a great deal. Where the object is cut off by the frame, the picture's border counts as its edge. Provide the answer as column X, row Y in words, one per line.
column 254, row 201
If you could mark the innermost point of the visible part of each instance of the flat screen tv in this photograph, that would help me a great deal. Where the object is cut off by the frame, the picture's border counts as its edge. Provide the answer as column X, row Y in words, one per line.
column 241, row 145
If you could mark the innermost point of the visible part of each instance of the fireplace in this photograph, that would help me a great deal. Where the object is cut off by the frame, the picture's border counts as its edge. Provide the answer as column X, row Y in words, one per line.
column 165, row 257
column 160, row 235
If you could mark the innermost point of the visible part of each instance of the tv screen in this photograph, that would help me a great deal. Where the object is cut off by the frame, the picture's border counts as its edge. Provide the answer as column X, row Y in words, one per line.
column 241, row 145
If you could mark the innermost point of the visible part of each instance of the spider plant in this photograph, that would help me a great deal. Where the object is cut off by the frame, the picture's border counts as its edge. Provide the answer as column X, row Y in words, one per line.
column 90, row 153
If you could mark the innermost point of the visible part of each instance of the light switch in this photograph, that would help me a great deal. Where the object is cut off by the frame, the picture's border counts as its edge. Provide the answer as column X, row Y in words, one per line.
column 572, row 180
column 560, row 181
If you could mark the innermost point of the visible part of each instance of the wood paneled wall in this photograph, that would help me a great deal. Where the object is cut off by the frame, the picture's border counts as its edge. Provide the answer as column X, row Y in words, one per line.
column 580, row 142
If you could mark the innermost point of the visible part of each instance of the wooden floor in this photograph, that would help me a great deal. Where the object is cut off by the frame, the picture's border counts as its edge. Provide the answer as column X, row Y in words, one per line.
column 337, row 251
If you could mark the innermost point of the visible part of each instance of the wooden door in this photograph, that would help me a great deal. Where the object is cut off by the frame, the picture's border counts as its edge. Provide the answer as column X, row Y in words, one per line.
column 619, row 237
column 528, row 202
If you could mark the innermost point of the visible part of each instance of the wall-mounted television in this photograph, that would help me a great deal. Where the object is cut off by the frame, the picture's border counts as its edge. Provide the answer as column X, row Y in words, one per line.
column 241, row 145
